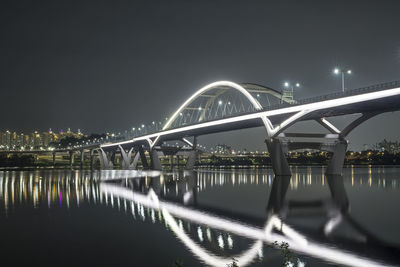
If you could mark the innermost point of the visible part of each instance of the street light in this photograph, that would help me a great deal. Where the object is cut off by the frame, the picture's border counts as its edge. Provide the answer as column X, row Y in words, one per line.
column 291, row 87
column 338, row 71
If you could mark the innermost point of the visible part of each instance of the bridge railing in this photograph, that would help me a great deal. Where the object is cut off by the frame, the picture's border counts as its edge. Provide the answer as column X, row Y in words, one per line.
column 357, row 91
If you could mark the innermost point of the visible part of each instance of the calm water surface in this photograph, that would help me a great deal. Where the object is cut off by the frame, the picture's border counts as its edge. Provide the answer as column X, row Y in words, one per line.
column 203, row 218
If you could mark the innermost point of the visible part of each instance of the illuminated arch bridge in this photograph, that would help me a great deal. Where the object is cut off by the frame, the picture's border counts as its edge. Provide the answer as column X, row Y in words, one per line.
column 225, row 106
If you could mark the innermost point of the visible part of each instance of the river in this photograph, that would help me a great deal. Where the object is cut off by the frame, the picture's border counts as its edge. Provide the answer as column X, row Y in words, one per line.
column 210, row 217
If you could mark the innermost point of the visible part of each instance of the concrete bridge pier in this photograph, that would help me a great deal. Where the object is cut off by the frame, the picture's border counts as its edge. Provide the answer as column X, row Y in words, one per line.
column 191, row 160
column 71, row 158
column 82, row 158
column 127, row 162
column 335, row 165
column 92, row 157
column 106, row 163
column 155, row 160
column 279, row 162
column 171, row 162
column 143, row 158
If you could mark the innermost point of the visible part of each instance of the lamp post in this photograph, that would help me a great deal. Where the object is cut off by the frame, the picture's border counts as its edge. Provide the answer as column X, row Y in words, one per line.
column 290, row 93
column 337, row 71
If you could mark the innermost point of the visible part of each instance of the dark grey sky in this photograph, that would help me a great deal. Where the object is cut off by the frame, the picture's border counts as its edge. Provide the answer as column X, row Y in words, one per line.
column 110, row 65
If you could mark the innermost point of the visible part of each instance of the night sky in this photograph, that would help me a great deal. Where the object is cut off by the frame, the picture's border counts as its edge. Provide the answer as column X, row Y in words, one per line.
column 111, row 65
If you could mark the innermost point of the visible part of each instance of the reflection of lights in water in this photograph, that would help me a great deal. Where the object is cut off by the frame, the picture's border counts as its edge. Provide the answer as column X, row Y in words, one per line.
column 220, row 242
column 153, row 216
column 159, row 216
column 133, row 210
column 200, row 234
column 142, row 213
column 208, row 234
column 230, row 242
column 260, row 253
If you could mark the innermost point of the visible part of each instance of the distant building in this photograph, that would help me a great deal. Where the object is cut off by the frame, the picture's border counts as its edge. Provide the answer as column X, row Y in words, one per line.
column 223, row 149
column 36, row 140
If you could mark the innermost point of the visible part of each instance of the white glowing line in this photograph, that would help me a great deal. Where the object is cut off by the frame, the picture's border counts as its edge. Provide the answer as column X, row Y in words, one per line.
column 122, row 174
column 155, row 142
column 208, row 87
column 187, row 142
column 330, row 125
column 309, row 107
column 296, row 241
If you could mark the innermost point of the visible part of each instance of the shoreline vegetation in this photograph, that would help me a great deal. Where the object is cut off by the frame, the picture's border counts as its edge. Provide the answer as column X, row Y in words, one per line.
column 306, row 158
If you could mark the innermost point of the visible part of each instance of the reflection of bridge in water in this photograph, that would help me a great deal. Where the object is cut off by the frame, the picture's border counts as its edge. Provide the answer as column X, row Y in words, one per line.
column 171, row 199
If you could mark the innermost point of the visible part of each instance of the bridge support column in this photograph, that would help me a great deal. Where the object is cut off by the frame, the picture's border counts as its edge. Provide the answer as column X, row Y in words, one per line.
column 82, row 159
column 155, row 160
column 171, row 162
column 91, row 159
column 278, row 159
column 335, row 165
column 191, row 160
column 135, row 161
column 143, row 158
column 54, row 159
column 127, row 157
column 71, row 158
column 105, row 163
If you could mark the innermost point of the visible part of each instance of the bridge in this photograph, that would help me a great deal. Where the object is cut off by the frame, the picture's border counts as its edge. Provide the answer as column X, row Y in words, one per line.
column 226, row 106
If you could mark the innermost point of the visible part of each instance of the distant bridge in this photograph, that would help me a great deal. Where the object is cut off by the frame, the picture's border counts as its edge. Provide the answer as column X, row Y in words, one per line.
column 225, row 106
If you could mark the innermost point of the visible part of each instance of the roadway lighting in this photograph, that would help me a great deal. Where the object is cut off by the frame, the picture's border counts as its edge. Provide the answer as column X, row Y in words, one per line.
column 199, row 108
column 338, row 71
column 220, row 102
column 142, row 125
column 290, row 86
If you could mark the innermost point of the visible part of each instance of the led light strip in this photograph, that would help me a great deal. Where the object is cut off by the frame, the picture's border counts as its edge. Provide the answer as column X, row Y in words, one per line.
column 309, row 107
